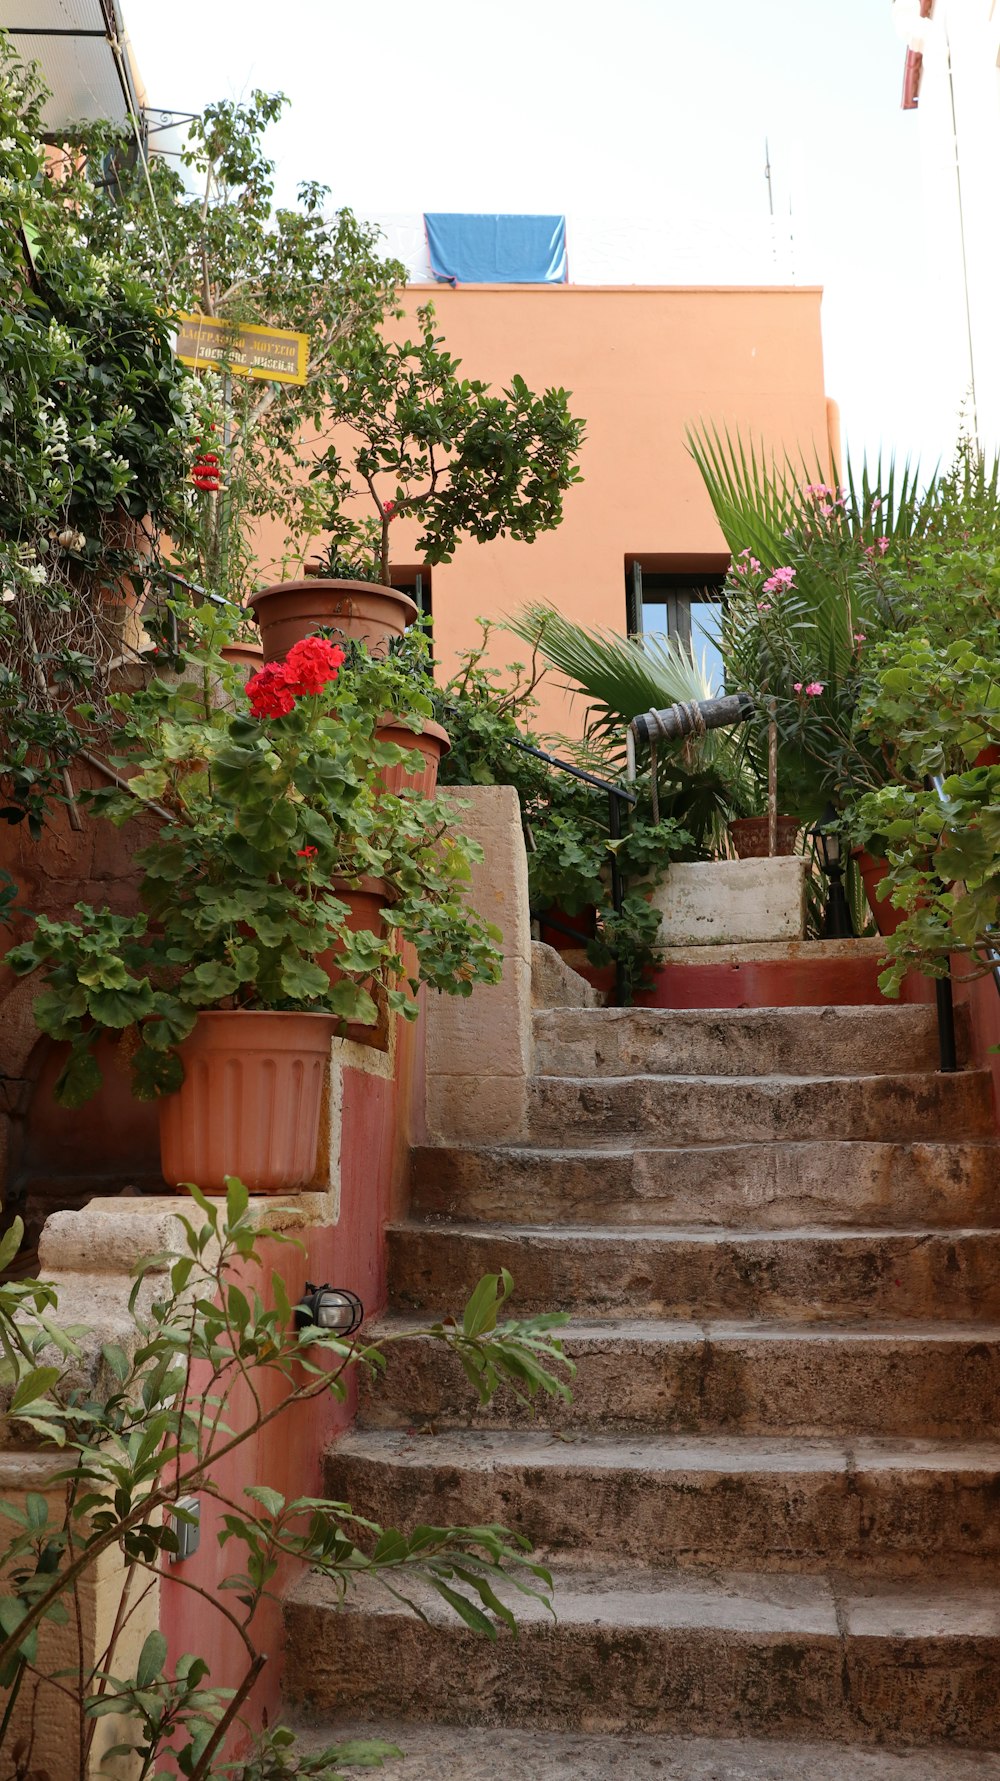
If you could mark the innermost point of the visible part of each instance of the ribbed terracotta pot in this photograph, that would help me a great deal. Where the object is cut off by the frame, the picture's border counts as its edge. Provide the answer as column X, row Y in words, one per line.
column 250, row 1101
column 364, row 611
column 749, row 836
column 431, row 744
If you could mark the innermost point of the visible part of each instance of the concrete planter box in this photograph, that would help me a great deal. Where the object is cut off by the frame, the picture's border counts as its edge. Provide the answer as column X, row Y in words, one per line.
column 725, row 902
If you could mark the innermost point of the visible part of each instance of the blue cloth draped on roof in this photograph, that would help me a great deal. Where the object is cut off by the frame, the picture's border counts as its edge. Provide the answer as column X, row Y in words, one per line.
column 497, row 249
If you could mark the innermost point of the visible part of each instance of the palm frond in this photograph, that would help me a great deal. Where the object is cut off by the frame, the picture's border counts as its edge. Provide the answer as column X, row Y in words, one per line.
column 618, row 676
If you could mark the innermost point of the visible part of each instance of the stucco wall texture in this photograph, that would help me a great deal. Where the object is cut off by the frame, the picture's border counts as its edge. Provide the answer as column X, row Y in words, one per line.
column 643, row 363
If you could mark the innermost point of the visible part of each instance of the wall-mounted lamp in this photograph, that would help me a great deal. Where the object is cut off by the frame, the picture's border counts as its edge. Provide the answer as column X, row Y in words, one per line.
column 329, row 1308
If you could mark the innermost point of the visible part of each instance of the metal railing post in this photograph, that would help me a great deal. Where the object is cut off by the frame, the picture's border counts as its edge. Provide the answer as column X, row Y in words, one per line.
column 947, row 1049
column 617, row 895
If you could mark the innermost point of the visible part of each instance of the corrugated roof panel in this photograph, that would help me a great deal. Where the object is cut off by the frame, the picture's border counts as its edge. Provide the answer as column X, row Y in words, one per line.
column 81, row 75
column 51, row 15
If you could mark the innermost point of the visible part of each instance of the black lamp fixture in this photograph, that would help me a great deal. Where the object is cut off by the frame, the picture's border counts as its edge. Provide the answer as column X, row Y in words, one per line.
column 837, row 924
column 329, row 1308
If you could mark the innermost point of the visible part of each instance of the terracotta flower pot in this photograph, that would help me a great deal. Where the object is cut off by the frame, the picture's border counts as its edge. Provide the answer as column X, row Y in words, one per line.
column 886, row 916
column 250, row 1101
column 365, row 611
column 248, row 656
column 749, row 836
column 366, row 901
column 431, row 744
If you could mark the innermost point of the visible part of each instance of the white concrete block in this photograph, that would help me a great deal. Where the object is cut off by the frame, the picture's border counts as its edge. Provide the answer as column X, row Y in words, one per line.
column 721, row 902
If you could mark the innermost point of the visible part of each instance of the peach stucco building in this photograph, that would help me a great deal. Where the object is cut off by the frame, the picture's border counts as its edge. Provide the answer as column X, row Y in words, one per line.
column 642, row 363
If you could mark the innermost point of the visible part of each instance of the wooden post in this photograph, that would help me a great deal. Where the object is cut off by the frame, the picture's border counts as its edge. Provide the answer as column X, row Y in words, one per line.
column 772, row 784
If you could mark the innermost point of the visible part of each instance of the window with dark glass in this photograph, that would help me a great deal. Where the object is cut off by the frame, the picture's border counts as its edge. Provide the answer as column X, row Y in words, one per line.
column 682, row 603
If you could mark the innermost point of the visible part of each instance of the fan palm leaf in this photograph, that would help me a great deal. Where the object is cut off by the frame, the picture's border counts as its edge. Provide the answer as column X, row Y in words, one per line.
column 618, row 676
column 701, row 784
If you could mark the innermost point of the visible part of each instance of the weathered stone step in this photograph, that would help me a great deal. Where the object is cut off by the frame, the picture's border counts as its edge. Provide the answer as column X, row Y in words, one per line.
column 710, row 1110
column 924, row 1380
column 494, row 1753
column 728, row 1655
column 799, row 1274
column 891, row 1508
column 765, row 1185
column 736, row 1041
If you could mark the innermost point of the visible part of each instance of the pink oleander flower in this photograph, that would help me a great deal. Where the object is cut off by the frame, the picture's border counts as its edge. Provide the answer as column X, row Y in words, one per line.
column 779, row 580
column 814, row 689
column 796, row 686
column 763, row 605
column 825, row 509
column 869, row 551
column 859, row 636
column 883, row 544
column 816, row 488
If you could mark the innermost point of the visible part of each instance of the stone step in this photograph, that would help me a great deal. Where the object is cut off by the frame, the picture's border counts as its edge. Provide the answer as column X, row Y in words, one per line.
column 709, row 1110
column 761, row 1185
column 891, row 1508
column 493, row 1753
column 738, row 1041
column 731, row 1655
column 923, row 1380
column 799, row 1274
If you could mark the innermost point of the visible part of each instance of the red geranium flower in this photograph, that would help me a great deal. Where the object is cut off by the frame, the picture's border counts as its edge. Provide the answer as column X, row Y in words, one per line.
column 312, row 664
column 269, row 692
column 307, row 853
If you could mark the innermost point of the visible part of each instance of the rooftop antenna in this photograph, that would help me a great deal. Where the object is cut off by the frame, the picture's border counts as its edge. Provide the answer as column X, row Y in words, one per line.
column 767, row 176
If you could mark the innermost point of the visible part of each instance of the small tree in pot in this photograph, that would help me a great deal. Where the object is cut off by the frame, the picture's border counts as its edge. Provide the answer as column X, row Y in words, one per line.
column 429, row 445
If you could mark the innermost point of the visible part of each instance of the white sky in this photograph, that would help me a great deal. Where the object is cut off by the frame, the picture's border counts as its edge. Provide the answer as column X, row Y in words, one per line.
column 638, row 107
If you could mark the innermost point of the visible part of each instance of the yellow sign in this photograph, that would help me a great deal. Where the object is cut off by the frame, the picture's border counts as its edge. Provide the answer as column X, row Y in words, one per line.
column 275, row 355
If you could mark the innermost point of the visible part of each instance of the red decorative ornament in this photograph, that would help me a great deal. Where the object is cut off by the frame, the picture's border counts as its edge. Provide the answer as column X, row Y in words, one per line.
column 206, row 472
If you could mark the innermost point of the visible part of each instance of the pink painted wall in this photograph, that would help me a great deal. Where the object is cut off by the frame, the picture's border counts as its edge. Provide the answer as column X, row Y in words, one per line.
column 288, row 1456
column 983, row 1002
column 642, row 363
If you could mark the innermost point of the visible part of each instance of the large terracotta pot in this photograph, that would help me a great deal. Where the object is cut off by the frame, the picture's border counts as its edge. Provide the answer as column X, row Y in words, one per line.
column 886, row 917
column 749, row 836
column 365, row 611
column 250, row 1101
column 431, row 744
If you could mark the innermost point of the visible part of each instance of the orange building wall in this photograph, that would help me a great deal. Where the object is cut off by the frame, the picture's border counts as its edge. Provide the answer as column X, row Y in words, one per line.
column 642, row 363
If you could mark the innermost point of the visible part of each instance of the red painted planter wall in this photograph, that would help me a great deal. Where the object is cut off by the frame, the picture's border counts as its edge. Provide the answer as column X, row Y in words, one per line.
column 288, row 1455
column 778, row 983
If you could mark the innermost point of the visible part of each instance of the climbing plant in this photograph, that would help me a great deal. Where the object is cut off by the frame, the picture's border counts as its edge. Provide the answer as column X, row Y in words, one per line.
column 143, row 1423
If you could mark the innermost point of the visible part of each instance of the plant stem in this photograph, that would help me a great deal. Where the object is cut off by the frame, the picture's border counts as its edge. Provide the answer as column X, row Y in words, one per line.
column 202, row 1770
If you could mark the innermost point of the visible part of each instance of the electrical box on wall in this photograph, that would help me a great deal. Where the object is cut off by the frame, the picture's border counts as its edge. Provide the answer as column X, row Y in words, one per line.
column 187, row 1528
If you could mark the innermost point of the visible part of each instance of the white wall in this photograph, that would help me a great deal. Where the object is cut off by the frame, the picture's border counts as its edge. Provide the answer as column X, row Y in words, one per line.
column 957, row 264
column 665, row 247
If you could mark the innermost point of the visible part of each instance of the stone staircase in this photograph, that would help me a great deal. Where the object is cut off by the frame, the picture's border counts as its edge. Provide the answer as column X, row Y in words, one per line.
column 773, row 1505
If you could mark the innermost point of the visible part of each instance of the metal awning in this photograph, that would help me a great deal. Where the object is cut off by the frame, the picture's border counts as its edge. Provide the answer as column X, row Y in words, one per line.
column 81, row 49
